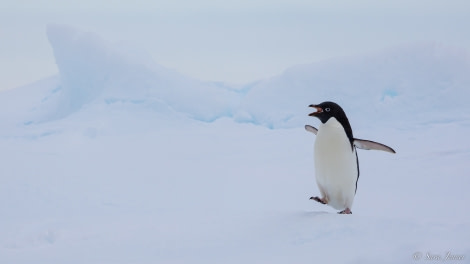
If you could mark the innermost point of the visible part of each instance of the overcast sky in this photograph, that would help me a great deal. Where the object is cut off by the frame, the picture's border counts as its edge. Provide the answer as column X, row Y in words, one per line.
column 235, row 41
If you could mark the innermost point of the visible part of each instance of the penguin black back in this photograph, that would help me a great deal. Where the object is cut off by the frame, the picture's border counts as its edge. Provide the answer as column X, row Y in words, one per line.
column 326, row 110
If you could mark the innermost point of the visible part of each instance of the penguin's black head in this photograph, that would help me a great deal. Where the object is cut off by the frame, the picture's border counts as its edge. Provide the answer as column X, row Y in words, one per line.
column 327, row 110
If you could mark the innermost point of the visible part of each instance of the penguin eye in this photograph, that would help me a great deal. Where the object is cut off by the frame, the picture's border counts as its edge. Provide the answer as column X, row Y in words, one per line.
column 327, row 109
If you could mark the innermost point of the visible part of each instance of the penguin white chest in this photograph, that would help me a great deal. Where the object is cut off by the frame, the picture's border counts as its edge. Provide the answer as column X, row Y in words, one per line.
column 336, row 168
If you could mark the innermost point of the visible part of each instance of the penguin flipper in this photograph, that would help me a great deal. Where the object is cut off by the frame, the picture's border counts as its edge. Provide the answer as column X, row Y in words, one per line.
column 359, row 143
column 311, row 129
column 369, row 144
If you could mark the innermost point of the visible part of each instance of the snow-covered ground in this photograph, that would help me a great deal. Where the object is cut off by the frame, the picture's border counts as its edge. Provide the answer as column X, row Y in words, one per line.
column 120, row 160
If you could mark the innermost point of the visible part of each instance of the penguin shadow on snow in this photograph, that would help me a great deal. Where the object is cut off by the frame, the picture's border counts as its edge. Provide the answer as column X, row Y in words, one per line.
column 335, row 157
column 312, row 214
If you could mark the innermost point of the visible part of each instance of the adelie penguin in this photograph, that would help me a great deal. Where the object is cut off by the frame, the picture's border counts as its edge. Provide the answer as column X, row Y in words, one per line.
column 335, row 156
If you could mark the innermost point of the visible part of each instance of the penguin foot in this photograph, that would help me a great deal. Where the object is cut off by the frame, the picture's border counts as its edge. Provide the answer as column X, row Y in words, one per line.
column 345, row 211
column 318, row 199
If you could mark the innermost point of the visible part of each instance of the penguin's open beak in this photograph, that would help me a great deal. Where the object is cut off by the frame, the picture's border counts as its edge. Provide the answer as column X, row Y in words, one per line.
column 319, row 110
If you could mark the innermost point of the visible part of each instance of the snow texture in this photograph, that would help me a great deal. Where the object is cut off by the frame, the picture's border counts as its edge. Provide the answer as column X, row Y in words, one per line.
column 391, row 85
column 92, row 70
column 120, row 160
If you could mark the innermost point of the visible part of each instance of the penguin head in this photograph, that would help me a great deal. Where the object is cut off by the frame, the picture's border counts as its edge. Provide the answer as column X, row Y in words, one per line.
column 327, row 110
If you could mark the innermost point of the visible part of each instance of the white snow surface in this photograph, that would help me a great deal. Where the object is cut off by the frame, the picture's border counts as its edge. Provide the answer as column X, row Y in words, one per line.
column 93, row 70
column 120, row 160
